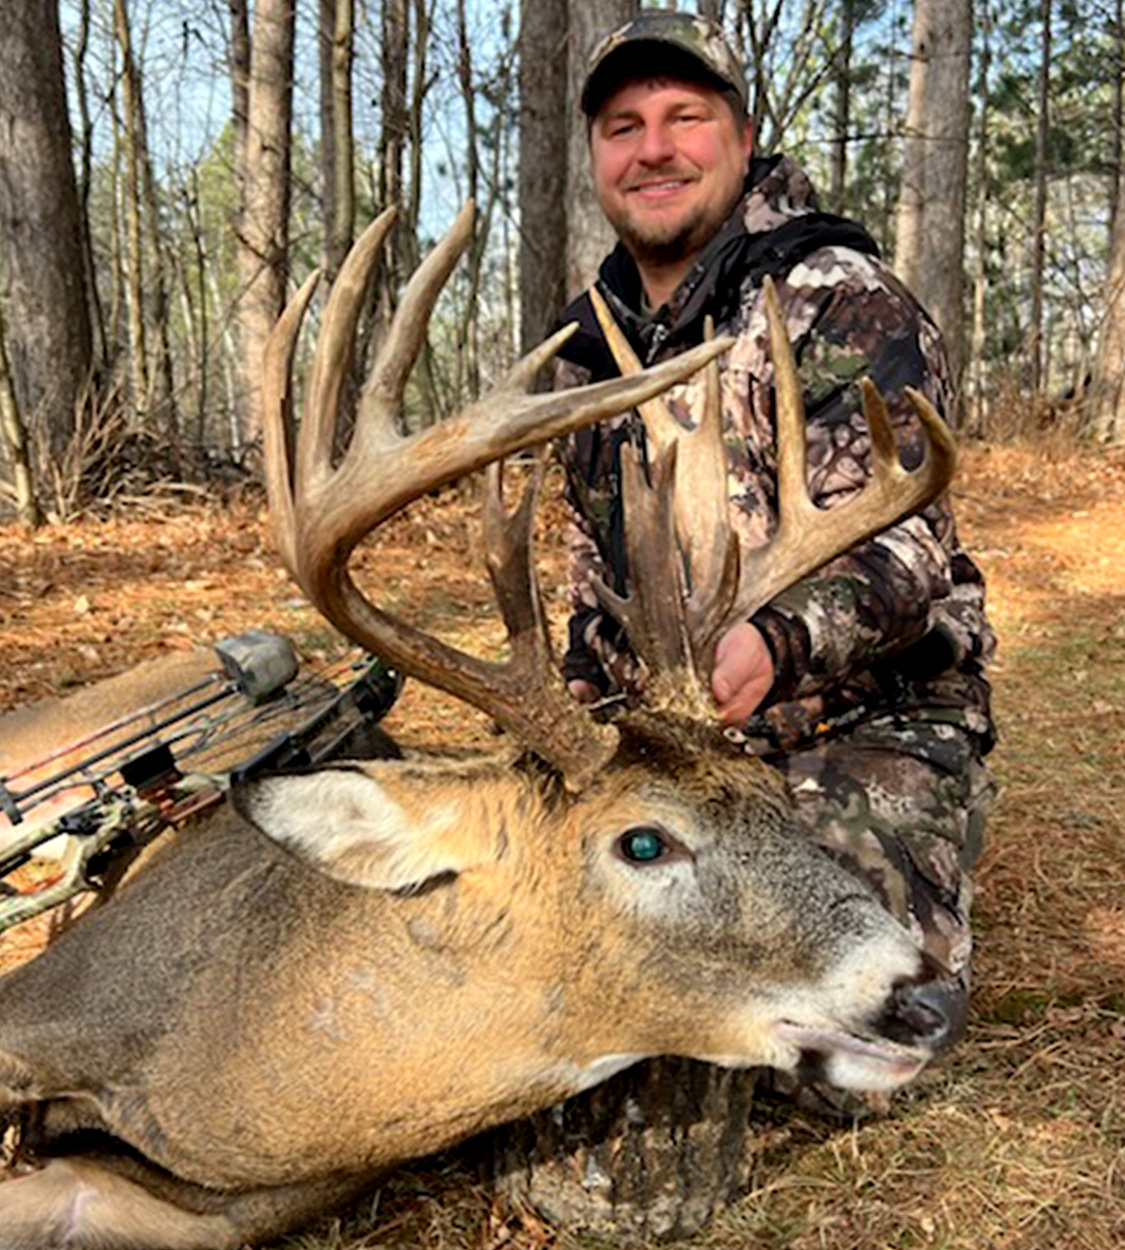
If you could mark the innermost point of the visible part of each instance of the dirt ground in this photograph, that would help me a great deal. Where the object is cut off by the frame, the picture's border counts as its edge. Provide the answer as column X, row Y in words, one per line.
column 1018, row 1141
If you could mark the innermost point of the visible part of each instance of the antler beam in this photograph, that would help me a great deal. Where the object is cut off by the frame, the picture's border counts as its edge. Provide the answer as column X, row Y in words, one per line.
column 321, row 511
column 807, row 536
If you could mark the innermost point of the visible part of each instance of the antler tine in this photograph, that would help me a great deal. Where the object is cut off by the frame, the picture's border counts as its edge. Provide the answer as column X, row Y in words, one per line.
column 326, row 511
column 334, row 350
column 700, row 497
column 550, row 721
column 685, row 509
column 807, row 536
column 661, row 425
column 387, row 380
column 653, row 613
column 277, row 418
column 508, row 545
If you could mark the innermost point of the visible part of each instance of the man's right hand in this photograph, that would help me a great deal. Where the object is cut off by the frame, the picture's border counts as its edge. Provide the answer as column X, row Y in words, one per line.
column 743, row 673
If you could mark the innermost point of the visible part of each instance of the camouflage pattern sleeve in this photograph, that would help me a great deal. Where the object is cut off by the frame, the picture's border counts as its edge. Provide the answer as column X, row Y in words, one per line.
column 848, row 318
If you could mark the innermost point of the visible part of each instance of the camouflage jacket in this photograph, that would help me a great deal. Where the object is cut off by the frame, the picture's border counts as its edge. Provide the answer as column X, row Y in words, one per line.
column 897, row 624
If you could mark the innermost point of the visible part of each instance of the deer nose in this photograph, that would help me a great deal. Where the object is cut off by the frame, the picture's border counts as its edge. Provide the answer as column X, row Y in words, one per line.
column 929, row 1013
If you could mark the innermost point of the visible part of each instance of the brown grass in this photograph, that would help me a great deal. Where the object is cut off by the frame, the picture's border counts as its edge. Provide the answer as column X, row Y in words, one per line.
column 1018, row 1142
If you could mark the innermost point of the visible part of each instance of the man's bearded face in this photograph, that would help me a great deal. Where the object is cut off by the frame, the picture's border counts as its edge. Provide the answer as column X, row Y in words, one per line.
column 669, row 161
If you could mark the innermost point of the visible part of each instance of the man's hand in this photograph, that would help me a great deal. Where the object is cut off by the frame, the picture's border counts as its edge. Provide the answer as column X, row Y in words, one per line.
column 743, row 673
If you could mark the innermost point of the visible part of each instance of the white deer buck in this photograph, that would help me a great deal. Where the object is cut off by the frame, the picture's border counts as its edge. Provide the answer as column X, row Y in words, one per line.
column 359, row 965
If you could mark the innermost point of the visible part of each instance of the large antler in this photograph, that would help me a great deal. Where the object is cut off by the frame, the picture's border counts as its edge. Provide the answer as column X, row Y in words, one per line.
column 683, row 504
column 321, row 511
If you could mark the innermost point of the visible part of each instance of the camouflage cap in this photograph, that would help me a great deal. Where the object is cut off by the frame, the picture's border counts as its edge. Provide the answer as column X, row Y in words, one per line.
column 694, row 38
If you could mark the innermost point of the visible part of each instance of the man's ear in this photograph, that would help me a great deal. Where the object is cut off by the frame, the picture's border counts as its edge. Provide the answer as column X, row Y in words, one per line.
column 345, row 823
column 748, row 141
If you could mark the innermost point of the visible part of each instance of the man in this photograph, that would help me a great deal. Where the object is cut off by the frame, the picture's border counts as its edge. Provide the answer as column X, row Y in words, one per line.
column 863, row 683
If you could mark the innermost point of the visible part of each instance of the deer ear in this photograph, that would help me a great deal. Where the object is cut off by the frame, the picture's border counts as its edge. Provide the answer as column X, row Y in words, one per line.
column 344, row 823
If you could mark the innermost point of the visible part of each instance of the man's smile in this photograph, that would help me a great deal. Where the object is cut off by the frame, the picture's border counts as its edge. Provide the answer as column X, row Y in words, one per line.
column 660, row 188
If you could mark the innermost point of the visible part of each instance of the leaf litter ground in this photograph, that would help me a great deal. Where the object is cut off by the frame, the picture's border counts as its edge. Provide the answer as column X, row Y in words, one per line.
column 1017, row 1142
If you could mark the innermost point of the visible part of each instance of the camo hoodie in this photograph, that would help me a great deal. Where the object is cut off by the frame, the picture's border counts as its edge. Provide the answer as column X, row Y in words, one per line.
column 897, row 624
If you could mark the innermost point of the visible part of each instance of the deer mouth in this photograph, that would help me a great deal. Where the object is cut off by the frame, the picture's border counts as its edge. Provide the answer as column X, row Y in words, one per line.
column 852, row 1061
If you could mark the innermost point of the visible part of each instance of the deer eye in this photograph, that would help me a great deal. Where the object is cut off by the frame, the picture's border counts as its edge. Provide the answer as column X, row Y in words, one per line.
column 643, row 845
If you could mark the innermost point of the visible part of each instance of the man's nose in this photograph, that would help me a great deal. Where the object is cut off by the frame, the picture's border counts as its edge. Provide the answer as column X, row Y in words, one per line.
column 657, row 145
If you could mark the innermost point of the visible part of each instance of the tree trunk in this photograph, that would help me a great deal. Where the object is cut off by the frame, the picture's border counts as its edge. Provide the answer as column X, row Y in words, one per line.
column 588, row 235
column 1039, row 223
column 468, row 357
column 930, row 248
column 419, row 89
column 162, row 380
column 116, row 318
column 263, row 244
column 43, row 296
column 542, row 174
column 485, row 179
column 947, row 167
column 13, row 438
column 392, row 139
column 978, row 399
column 1117, row 118
column 85, row 147
column 134, row 264
column 842, row 109
column 337, row 152
column 1105, row 410
column 650, row 1155
column 239, row 69
column 325, row 39
column 405, row 85
column 912, row 194
column 198, row 320
column 229, row 356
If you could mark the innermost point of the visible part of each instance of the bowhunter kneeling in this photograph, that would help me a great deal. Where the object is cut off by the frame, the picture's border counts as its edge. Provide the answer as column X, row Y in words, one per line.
column 862, row 683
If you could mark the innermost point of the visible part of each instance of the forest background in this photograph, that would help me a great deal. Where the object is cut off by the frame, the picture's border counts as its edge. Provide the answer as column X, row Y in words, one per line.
column 168, row 171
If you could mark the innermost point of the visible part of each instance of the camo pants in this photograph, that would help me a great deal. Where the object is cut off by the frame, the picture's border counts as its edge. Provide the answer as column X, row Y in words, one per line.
column 903, row 806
